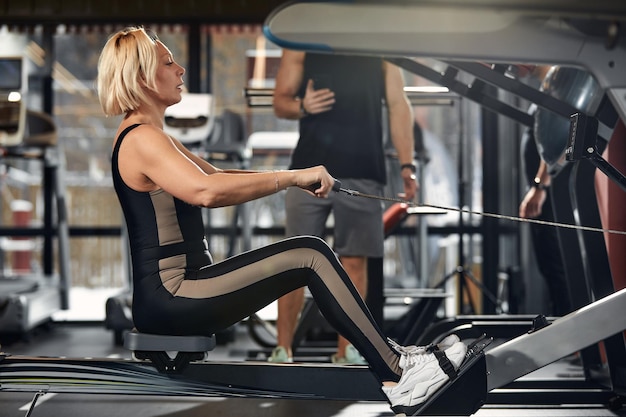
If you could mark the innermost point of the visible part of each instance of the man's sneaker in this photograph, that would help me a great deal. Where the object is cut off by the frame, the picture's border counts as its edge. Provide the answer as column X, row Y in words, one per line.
column 279, row 355
column 446, row 343
column 422, row 377
column 352, row 357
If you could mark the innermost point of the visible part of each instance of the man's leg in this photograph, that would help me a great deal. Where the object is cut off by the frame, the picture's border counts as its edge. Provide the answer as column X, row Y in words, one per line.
column 289, row 307
column 356, row 267
column 306, row 215
column 358, row 235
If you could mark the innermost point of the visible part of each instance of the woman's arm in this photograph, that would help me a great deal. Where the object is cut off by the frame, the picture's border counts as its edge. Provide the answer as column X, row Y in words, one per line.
column 149, row 159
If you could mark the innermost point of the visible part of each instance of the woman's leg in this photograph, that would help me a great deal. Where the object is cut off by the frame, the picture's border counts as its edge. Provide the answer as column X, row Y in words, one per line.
column 224, row 293
column 229, row 291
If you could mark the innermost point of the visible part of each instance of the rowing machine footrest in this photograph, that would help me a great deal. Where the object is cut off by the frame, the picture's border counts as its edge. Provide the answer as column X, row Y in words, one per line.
column 466, row 393
column 157, row 349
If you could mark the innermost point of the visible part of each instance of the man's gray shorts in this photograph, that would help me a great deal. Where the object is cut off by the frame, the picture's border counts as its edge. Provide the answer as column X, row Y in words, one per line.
column 358, row 221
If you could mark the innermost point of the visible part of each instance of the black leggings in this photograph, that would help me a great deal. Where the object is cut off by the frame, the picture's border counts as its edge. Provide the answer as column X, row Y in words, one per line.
column 222, row 294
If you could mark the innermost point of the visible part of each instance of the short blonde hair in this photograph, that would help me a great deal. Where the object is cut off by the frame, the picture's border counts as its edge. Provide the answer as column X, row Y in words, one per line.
column 127, row 65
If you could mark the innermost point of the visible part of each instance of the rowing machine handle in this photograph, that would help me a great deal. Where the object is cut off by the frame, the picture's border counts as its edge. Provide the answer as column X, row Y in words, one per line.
column 336, row 186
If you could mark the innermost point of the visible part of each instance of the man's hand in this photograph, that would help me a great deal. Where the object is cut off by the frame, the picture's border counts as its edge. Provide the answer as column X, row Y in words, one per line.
column 410, row 185
column 531, row 205
column 317, row 101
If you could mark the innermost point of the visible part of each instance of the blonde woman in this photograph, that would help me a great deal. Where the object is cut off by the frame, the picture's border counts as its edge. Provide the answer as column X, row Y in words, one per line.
column 178, row 289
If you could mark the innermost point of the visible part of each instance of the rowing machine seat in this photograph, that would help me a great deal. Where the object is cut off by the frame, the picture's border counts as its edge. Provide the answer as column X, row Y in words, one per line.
column 169, row 354
column 156, row 342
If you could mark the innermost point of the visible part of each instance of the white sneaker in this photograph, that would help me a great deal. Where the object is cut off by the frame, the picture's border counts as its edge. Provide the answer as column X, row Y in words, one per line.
column 405, row 351
column 421, row 378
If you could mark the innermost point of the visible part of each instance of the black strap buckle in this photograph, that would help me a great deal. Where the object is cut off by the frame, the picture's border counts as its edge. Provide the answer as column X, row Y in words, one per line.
column 445, row 363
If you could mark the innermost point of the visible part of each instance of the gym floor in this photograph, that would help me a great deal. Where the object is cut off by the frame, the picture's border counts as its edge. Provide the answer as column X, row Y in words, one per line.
column 79, row 340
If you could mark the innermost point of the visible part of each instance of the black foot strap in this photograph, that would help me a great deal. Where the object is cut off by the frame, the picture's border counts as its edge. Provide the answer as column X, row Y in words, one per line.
column 445, row 364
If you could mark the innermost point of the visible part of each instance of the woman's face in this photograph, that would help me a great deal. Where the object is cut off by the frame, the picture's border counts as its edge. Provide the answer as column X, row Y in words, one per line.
column 169, row 77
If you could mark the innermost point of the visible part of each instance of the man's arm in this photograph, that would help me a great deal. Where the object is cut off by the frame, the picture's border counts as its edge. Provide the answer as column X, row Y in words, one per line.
column 532, row 203
column 287, row 104
column 288, row 80
column 542, row 178
column 401, row 125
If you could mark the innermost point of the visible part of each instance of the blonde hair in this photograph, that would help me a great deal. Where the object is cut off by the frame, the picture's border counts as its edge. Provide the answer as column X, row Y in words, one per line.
column 127, row 65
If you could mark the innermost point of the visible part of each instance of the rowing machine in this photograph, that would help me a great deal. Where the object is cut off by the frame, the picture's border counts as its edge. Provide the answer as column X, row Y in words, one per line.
column 176, row 365
column 481, row 373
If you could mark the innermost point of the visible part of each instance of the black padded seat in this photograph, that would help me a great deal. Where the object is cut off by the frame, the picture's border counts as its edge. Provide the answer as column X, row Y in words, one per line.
column 146, row 342
column 168, row 354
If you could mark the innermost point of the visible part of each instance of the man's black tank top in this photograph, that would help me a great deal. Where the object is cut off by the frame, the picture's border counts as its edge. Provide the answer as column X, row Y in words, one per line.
column 348, row 140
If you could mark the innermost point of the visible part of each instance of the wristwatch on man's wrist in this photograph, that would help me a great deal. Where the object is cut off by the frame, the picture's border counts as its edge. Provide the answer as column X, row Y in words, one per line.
column 537, row 184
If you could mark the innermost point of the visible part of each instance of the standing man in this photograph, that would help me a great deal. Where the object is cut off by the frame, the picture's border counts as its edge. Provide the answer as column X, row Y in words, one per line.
column 339, row 103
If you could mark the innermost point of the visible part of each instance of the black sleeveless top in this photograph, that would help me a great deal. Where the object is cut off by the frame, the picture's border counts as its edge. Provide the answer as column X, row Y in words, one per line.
column 166, row 235
column 348, row 139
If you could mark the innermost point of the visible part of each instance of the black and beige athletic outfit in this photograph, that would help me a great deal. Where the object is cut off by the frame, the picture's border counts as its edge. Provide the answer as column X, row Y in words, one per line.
column 178, row 290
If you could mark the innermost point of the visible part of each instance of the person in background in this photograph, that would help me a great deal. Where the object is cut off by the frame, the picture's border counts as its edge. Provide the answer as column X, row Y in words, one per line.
column 536, row 204
column 339, row 102
column 177, row 288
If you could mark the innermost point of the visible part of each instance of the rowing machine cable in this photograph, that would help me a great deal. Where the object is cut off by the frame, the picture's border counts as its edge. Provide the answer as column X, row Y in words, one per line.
column 337, row 187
